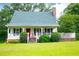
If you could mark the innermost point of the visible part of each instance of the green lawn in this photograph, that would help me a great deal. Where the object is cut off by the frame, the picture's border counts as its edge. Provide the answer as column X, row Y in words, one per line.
column 41, row 49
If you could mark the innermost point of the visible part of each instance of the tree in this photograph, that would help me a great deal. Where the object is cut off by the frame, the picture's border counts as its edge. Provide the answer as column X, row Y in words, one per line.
column 30, row 6
column 72, row 9
column 76, row 17
column 5, row 16
column 67, row 23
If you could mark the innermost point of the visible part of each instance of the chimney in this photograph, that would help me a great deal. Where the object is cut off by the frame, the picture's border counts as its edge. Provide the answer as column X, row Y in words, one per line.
column 53, row 11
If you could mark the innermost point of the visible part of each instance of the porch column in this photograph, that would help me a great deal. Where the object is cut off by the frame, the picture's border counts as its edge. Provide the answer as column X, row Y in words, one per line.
column 55, row 29
column 8, row 33
column 50, row 31
column 23, row 29
column 11, row 32
column 41, row 31
column 31, row 32
column 36, row 36
column 27, row 37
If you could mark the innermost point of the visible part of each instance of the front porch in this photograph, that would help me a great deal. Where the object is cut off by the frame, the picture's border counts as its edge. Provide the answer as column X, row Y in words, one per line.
column 32, row 33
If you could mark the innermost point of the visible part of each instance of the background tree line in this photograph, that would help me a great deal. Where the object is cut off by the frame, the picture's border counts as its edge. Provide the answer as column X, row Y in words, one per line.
column 69, row 21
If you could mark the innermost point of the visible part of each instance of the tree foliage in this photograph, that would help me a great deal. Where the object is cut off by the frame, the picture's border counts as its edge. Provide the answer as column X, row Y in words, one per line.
column 55, row 37
column 44, row 38
column 23, row 37
column 67, row 23
column 72, row 9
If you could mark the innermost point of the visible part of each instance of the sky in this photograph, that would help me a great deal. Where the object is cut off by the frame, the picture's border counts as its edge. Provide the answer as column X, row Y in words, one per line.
column 2, row 4
column 59, row 8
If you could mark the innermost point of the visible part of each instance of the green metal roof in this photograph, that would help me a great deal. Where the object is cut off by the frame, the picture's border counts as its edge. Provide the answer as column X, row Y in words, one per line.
column 33, row 19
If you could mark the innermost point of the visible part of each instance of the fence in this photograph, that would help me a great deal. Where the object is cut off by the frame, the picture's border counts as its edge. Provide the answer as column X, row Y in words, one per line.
column 67, row 36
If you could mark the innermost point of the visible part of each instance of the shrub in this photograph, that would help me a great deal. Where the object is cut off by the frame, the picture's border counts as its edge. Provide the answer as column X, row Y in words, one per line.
column 44, row 38
column 23, row 37
column 55, row 36
column 77, row 36
column 3, row 36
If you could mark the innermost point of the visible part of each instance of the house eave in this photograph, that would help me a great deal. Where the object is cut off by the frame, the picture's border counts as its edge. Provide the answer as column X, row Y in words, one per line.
column 34, row 26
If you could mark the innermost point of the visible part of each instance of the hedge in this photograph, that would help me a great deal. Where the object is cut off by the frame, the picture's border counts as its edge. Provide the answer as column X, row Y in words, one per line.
column 44, row 38
column 23, row 37
column 55, row 37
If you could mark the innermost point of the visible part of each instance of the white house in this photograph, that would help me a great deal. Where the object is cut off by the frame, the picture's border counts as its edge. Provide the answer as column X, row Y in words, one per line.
column 34, row 23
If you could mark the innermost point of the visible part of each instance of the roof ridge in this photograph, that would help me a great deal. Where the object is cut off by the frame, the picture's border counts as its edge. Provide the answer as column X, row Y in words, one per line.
column 31, row 11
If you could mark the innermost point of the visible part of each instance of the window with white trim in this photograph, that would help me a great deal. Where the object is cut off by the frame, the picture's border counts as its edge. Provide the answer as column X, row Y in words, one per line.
column 37, row 30
column 17, row 31
column 48, row 30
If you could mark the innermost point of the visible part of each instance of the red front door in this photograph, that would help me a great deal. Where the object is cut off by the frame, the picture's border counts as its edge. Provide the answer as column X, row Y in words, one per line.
column 28, row 31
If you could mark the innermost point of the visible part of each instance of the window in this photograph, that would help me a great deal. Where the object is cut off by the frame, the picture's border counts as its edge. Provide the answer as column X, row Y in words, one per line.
column 9, row 30
column 48, row 30
column 17, row 31
column 34, row 31
column 38, row 31
column 45, row 30
column 51, row 30
column 20, row 30
column 14, row 30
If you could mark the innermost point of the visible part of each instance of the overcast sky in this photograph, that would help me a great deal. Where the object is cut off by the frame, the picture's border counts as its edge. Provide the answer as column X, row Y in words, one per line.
column 59, row 8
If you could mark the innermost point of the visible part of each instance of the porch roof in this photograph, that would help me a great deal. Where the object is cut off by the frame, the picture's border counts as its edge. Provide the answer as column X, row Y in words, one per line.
column 33, row 19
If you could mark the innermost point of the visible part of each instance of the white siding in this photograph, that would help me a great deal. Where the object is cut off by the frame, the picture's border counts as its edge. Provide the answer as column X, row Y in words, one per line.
column 55, row 29
column 11, row 34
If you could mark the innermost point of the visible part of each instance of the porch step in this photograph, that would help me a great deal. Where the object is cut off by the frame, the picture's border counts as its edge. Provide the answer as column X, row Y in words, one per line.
column 32, row 40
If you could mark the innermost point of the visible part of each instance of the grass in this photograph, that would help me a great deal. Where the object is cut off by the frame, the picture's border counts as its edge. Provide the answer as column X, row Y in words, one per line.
column 41, row 49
